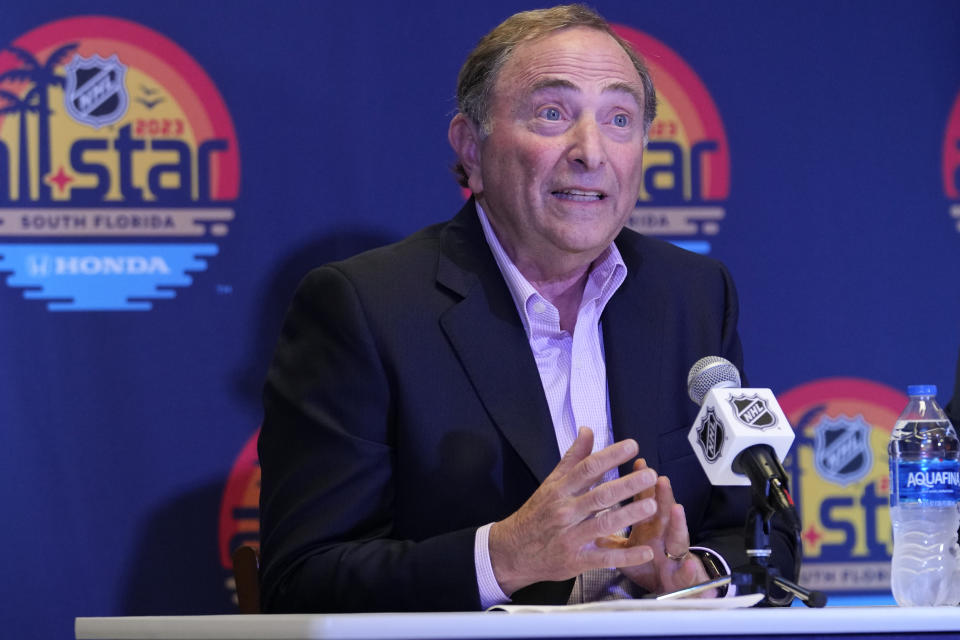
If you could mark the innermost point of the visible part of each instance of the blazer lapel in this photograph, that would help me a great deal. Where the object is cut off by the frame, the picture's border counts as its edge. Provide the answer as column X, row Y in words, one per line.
column 632, row 342
column 485, row 331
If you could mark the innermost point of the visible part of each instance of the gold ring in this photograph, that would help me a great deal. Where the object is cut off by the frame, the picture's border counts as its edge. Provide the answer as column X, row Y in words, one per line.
column 679, row 558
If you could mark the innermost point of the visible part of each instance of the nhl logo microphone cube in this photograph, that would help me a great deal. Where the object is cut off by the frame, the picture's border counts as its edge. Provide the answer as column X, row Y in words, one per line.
column 731, row 420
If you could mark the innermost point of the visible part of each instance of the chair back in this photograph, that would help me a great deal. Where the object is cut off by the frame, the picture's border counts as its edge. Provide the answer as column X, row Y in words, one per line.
column 246, row 574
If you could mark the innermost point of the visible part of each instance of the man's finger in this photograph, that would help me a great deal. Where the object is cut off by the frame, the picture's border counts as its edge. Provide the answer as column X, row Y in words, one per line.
column 618, row 556
column 614, row 541
column 579, row 450
column 608, row 494
column 665, row 504
column 665, row 497
column 613, row 520
column 641, row 463
column 676, row 538
column 590, row 470
column 652, row 528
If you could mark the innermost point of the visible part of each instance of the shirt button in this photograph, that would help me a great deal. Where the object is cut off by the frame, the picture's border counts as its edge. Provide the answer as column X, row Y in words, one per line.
column 539, row 307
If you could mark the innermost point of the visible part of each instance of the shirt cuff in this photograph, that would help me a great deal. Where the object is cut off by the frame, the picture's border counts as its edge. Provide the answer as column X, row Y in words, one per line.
column 490, row 592
column 715, row 566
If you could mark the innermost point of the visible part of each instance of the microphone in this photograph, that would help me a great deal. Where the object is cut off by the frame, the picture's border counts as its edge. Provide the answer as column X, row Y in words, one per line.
column 740, row 434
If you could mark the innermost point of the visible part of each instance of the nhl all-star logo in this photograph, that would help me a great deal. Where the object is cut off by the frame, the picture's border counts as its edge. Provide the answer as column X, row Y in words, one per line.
column 841, row 450
column 753, row 411
column 711, row 435
column 96, row 91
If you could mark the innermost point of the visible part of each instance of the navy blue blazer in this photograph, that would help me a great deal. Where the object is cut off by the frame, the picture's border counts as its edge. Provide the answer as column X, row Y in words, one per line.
column 953, row 407
column 403, row 410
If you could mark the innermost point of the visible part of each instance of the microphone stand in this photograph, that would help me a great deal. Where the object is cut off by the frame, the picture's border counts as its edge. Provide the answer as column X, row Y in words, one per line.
column 757, row 576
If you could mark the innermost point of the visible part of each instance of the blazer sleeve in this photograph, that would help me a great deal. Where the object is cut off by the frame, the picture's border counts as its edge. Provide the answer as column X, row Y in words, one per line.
column 327, row 456
column 953, row 407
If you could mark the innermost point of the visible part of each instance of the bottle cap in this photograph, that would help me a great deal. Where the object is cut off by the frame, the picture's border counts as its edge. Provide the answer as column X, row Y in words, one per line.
column 922, row 390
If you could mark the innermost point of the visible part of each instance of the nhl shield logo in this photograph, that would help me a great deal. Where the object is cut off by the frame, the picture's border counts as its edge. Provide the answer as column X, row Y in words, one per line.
column 841, row 450
column 96, row 91
column 753, row 411
column 710, row 435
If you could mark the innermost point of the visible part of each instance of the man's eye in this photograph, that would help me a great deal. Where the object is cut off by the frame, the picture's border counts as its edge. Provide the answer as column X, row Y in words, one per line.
column 550, row 113
column 620, row 120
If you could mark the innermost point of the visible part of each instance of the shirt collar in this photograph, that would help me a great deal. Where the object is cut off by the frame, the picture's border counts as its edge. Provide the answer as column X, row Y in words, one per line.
column 606, row 275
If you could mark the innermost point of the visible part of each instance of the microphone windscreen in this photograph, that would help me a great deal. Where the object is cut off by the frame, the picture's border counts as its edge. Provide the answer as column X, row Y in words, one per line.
column 709, row 372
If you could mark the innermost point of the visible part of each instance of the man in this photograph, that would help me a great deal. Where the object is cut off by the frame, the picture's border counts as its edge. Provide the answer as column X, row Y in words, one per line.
column 953, row 407
column 422, row 394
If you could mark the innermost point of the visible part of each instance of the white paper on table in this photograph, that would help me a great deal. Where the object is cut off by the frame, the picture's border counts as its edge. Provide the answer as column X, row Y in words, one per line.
column 638, row 604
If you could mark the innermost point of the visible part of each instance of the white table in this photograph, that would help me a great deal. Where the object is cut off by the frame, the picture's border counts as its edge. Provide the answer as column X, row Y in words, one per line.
column 886, row 621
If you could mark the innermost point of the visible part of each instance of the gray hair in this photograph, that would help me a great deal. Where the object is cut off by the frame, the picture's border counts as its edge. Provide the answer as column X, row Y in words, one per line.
column 479, row 73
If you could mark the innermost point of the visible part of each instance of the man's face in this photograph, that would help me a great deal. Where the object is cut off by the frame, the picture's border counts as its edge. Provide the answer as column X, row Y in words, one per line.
column 561, row 168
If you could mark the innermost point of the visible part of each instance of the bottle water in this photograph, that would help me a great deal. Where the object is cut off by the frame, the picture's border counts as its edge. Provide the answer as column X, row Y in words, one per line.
column 924, row 490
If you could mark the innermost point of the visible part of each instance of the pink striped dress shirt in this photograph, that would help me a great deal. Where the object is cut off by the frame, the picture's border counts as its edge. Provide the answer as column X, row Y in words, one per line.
column 574, row 376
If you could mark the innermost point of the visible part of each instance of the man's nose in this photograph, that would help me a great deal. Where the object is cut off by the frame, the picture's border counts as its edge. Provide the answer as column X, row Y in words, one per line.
column 586, row 144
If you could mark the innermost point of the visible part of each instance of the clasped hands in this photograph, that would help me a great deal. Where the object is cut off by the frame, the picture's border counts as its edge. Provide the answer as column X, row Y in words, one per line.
column 572, row 524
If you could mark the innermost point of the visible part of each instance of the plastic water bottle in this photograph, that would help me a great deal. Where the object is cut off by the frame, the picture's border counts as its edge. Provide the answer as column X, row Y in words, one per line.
column 924, row 490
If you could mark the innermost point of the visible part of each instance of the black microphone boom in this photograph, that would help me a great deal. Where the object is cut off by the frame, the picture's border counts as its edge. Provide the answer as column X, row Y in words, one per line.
column 768, row 479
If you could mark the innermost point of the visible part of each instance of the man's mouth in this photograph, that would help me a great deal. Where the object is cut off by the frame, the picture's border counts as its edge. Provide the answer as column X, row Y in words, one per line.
column 579, row 195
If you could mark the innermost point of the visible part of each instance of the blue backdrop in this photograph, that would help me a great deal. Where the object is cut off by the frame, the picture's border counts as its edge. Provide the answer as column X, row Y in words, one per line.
column 119, row 429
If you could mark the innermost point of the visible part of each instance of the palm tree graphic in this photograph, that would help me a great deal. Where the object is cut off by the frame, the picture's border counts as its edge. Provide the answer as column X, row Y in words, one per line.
column 21, row 106
column 43, row 76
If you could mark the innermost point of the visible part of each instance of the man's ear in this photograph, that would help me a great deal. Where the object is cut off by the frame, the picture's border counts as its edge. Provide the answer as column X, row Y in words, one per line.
column 464, row 137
